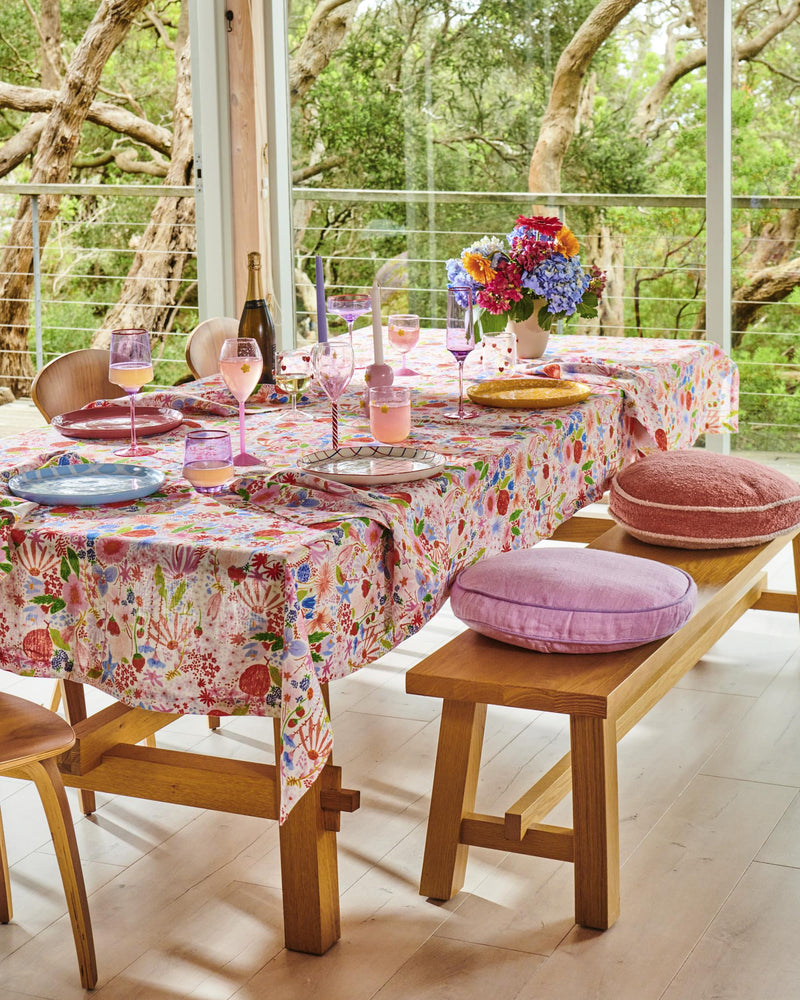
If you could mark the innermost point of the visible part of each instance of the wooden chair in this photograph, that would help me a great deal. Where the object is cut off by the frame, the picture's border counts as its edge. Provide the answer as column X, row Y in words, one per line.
column 71, row 381
column 205, row 342
column 31, row 737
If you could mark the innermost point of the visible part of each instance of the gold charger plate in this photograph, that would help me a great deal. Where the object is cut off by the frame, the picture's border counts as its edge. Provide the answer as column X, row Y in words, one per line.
column 528, row 393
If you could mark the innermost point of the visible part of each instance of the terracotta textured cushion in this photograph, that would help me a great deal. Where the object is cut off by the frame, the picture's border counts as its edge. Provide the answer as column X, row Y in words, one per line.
column 559, row 600
column 698, row 499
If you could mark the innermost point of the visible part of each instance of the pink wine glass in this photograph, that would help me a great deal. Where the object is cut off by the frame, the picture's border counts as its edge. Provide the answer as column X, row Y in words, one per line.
column 349, row 307
column 333, row 365
column 404, row 335
column 130, row 366
column 240, row 364
column 459, row 341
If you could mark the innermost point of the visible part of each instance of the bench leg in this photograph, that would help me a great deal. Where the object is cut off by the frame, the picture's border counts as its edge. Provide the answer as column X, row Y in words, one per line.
column 455, row 781
column 595, row 812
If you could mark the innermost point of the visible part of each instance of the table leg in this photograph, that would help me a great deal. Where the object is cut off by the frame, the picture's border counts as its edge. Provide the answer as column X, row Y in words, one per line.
column 75, row 711
column 309, row 877
column 595, row 812
column 6, row 911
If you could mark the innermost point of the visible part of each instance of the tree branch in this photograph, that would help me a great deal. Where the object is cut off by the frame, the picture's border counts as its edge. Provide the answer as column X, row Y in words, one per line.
column 326, row 30
column 110, row 116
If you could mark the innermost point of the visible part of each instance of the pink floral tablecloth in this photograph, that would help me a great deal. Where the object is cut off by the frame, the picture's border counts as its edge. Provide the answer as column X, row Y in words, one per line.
column 246, row 602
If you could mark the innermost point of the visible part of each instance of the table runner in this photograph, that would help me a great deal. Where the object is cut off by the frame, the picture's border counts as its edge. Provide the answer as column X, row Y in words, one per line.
column 243, row 604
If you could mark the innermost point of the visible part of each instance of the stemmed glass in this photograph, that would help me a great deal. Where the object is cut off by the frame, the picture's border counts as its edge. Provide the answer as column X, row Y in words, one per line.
column 460, row 340
column 333, row 365
column 349, row 307
column 404, row 335
column 292, row 375
column 130, row 366
column 240, row 364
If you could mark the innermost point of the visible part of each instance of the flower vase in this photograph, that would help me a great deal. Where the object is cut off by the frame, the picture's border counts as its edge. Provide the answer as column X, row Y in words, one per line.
column 531, row 338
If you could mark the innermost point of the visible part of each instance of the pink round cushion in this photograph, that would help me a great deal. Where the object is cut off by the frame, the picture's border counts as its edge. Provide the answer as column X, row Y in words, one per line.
column 697, row 499
column 559, row 600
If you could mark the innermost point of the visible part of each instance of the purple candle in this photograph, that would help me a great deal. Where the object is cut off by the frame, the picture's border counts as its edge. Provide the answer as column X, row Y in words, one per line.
column 322, row 319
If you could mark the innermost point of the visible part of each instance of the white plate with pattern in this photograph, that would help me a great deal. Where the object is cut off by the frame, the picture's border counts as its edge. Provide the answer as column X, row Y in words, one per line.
column 371, row 465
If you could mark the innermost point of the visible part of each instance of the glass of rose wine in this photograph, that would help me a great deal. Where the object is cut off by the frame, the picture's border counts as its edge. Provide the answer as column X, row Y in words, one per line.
column 390, row 413
column 333, row 364
column 130, row 366
column 292, row 376
column 207, row 461
column 240, row 365
column 460, row 341
column 404, row 335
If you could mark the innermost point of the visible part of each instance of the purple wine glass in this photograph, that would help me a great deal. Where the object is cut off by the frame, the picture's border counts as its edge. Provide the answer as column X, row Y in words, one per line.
column 460, row 340
column 349, row 307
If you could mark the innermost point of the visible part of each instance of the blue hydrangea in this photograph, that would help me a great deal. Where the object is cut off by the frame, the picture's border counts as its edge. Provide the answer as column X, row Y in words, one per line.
column 457, row 276
column 559, row 280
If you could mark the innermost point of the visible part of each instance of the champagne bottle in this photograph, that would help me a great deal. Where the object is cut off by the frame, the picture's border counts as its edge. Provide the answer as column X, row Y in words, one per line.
column 256, row 321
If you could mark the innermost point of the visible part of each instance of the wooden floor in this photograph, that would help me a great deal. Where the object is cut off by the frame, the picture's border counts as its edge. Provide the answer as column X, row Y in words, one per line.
column 186, row 903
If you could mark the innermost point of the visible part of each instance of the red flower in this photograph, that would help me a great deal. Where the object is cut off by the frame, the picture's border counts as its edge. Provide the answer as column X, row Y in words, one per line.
column 503, row 498
column 661, row 438
column 578, row 450
column 234, row 573
column 545, row 225
column 255, row 680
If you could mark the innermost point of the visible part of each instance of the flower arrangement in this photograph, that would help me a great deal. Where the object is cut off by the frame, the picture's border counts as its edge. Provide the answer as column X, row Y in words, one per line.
column 540, row 261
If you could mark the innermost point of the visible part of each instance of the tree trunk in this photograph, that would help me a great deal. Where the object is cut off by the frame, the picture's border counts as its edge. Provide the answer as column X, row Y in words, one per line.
column 150, row 289
column 57, row 147
column 329, row 23
column 607, row 250
column 558, row 124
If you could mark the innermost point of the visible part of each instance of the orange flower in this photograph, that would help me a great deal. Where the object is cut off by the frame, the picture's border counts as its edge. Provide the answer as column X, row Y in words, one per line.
column 566, row 242
column 478, row 267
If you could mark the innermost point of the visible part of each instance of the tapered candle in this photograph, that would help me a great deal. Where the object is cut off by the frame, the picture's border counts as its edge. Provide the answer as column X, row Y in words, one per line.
column 377, row 325
column 322, row 319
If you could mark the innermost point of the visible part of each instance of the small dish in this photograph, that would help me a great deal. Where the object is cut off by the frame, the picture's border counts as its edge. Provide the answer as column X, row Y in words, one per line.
column 528, row 393
column 370, row 465
column 86, row 485
column 114, row 422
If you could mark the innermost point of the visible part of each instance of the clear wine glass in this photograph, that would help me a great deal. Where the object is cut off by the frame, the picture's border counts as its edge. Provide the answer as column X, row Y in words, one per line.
column 404, row 335
column 349, row 307
column 292, row 376
column 130, row 366
column 333, row 365
column 459, row 341
column 240, row 364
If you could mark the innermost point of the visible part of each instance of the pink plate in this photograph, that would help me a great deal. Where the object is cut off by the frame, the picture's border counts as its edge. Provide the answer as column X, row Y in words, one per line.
column 114, row 422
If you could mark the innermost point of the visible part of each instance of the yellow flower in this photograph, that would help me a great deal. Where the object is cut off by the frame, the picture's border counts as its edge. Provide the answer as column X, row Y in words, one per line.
column 245, row 368
column 566, row 242
column 478, row 267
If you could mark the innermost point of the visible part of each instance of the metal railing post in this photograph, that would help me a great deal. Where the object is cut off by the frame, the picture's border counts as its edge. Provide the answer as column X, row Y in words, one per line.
column 37, row 279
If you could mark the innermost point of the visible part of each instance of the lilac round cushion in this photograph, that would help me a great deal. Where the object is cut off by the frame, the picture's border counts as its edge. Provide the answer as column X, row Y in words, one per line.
column 559, row 600
column 696, row 499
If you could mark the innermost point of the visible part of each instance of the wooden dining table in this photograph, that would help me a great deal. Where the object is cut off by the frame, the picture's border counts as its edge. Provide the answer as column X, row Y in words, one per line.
column 253, row 601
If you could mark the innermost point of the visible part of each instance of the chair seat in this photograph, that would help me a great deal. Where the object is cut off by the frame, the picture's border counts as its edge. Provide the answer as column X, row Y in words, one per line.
column 29, row 732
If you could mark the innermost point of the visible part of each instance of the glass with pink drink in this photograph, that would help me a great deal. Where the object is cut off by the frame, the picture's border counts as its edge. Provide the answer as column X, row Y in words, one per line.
column 240, row 364
column 390, row 413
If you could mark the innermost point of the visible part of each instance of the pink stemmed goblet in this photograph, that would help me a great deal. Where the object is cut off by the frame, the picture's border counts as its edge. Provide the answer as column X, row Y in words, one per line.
column 207, row 461
column 333, row 366
column 460, row 340
column 404, row 335
column 292, row 375
column 130, row 366
column 349, row 307
column 240, row 363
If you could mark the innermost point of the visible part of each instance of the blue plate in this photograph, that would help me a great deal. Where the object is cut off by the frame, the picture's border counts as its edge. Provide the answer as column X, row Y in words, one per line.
column 86, row 485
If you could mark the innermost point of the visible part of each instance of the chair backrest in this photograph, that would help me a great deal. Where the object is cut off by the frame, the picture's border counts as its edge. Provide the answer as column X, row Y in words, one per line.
column 205, row 342
column 73, row 380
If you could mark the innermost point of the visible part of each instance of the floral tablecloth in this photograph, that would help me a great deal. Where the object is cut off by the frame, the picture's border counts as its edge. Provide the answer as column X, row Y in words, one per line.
column 246, row 602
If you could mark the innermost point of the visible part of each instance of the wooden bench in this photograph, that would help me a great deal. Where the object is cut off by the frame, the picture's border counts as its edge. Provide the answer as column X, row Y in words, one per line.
column 605, row 695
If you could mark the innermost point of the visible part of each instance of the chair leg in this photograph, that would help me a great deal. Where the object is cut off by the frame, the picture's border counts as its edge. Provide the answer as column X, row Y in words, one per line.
column 455, row 782
column 75, row 712
column 595, row 820
column 57, row 695
column 213, row 722
column 5, row 884
column 54, row 799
